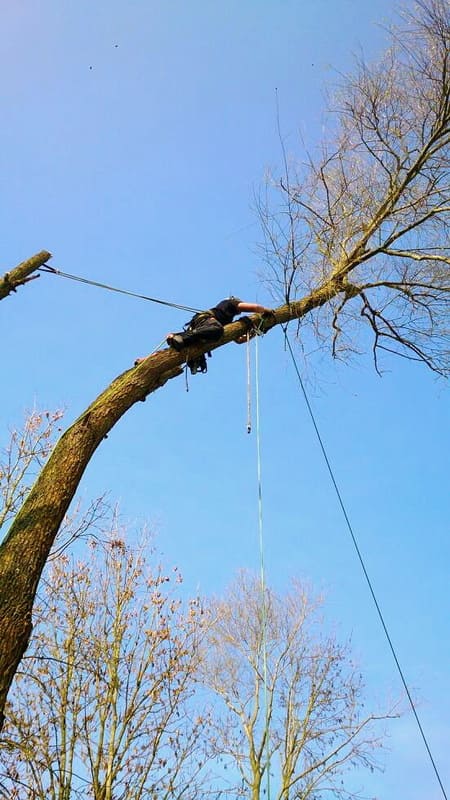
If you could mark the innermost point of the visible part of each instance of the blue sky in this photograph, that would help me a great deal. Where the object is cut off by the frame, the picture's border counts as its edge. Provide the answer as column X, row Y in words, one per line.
column 134, row 136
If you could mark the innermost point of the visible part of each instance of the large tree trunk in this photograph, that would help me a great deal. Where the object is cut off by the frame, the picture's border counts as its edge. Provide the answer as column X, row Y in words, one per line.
column 25, row 549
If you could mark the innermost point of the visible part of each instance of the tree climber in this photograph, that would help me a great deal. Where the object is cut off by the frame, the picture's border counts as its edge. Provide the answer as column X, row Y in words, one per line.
column 208, row 326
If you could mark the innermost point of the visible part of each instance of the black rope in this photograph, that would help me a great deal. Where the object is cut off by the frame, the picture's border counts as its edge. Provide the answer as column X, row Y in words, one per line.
column 361, row 560
column 53, row 271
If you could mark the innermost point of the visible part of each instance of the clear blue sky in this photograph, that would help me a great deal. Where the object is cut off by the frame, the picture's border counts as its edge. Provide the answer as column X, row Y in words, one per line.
column 133, row 137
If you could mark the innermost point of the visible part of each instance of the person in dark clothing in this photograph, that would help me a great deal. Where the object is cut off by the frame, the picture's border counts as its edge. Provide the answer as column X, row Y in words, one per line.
column 207, row 326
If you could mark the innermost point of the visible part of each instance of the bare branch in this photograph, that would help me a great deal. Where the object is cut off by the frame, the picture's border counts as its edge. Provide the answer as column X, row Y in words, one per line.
column 383, row 179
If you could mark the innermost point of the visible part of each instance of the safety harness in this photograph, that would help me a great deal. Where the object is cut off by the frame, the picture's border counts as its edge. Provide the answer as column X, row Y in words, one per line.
column 198, row 364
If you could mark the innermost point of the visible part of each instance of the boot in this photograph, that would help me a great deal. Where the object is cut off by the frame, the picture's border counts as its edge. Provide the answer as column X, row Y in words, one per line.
column 181, row 340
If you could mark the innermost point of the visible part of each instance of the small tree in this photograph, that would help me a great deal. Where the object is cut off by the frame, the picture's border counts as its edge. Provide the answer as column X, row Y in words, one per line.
column 21, row 460
column 290, row 698
column 102, row 708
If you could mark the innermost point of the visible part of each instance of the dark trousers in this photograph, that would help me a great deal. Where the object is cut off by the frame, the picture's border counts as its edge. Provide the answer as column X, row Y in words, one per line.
column 208, row 330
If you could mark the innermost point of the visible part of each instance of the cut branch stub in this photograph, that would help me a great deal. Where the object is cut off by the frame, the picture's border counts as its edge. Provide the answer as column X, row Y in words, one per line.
column 22, row 273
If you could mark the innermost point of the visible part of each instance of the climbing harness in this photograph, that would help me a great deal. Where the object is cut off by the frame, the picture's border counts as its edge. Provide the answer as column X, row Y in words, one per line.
column 199, row 363
column 198, row 320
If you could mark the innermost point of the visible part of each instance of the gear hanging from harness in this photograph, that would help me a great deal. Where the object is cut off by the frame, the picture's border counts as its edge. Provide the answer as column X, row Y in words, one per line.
column 203, row 326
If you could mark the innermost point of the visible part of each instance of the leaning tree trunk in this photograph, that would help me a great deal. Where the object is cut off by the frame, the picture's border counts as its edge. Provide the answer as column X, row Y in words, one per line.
column 25, row 549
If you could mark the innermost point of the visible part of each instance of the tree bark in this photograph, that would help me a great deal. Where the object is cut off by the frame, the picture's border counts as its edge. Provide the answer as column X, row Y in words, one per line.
column 22, row 273
column 24, row 551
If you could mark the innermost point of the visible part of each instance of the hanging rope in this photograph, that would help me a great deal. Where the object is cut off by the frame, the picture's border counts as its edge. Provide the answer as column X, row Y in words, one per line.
column 249, row 387
column 155, row 350
column 53, row 271
column 361, row 561
column 262, row 567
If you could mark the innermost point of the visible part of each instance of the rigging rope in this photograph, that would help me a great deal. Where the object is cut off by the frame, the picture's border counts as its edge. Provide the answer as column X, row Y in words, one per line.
column 53, row 271
column 361, row 560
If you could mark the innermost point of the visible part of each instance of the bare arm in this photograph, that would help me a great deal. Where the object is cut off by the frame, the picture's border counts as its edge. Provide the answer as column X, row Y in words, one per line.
column 258, row 309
